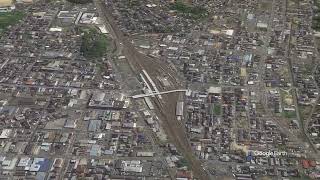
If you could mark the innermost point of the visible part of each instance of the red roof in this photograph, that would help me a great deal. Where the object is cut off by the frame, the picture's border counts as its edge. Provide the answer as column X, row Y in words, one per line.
column 184, row 174
column 305, row 163
column 312, row 163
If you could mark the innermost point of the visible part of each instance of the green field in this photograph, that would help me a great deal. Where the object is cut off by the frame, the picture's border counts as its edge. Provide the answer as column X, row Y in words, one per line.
column 305, row 111
column 182, row 163
column 194, row 11
column 217, row 109
column 9, row 18
column 316, row 17
column 289, row 114
column 94, row 44
column 302, row 176
column 80, row 1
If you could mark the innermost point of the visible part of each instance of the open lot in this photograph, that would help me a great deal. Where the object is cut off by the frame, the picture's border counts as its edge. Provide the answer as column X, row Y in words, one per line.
column 9, row 18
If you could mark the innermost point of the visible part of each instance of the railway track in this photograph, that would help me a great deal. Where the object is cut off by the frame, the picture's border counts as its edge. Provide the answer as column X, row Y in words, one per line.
column 166, row 107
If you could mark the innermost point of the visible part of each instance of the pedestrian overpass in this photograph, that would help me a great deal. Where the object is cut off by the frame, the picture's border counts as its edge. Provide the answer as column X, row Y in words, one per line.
column 158, row 93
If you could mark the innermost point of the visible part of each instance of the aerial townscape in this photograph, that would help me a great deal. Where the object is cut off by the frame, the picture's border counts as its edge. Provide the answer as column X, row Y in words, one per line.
column 159, row 89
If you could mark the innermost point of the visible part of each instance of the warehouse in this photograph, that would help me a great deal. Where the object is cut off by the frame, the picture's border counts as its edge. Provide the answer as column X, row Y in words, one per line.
column 179, row 110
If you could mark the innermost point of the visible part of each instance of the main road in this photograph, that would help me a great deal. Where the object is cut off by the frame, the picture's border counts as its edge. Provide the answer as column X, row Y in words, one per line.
column 155, row 68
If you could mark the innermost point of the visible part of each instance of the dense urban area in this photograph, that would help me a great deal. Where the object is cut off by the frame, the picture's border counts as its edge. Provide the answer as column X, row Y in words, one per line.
column 159, row 89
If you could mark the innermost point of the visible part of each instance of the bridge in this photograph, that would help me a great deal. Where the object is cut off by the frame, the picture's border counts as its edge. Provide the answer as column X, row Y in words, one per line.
column 158, row 93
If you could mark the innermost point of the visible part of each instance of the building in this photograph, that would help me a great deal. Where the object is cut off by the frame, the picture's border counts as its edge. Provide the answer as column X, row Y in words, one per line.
column 108, row 101
column 132, row 166
column 214, row 90
column 262, row 25
column 145, row 154
column 6, row 6
column 179, row 109
column 70, row 123
column 5, row 133
column 94, row 125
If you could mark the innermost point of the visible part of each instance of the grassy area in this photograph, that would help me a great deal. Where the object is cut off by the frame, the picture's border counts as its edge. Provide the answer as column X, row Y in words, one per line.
column 242, row 123
column 316, row 17
column 281, row 147
column 303, row 176
column 80, row 1
column 305, row 111
column 287, row 101
column 9, row 18
column 217, row 109
column 183, row 163
column 194, row 11
column 289, row 114
column 133, row 3
column 94, row 44
column 265, row 5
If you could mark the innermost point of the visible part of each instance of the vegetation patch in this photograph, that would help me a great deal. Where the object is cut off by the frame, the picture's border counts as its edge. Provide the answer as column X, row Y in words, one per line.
column 303, row 176
column 265, row 5
column 9, row 18
column 316, row 17
column 194, row 11
column 133, row 3
column 305, row 111
column 287, row 102
column 217, row 109
column 182, row 163
column 289, row 114
column 80, row 1
column 94, row 44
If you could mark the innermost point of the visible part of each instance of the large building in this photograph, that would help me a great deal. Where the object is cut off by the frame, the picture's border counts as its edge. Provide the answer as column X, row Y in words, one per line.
column 6, row 6
column 179, row 110
column 112, row 100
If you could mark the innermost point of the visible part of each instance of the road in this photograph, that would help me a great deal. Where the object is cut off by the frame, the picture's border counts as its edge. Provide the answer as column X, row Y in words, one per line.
column 303, row 123
column 155, row 68
column 314, row 105
column 262, row 90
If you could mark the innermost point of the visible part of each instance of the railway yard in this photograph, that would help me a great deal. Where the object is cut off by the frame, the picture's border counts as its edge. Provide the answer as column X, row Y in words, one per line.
column 157, row 89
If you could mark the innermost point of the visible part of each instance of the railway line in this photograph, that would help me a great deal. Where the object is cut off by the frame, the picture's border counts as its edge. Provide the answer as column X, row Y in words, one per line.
column 165, row 108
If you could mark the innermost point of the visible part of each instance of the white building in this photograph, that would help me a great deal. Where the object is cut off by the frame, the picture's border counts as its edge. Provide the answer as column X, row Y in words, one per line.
column 132, row 166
